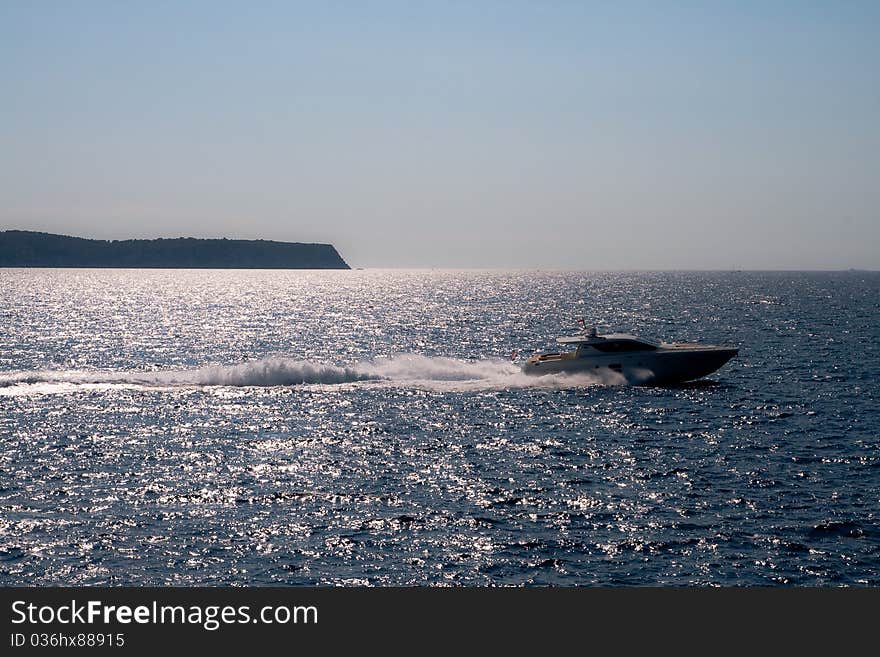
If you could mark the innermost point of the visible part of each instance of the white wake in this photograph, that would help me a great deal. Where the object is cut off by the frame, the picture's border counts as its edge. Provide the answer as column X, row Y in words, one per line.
column 410, row 370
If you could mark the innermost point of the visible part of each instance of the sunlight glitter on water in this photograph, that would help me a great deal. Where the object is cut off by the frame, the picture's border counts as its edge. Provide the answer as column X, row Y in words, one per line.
column 190, row 427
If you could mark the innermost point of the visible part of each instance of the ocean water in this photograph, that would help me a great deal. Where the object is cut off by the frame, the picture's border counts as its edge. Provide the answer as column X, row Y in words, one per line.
column 163, row 427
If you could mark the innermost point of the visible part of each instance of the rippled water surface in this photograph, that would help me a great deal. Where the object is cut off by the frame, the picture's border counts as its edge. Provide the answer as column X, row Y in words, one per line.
column 369, row 427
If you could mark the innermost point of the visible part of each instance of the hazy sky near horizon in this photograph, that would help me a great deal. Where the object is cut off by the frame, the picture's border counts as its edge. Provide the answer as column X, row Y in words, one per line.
column 608, row 135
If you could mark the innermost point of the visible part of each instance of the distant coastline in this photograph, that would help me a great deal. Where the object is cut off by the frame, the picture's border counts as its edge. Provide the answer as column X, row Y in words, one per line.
column 22, row 248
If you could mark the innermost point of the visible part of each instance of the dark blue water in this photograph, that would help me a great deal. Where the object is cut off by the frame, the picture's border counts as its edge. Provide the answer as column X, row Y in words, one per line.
column 368, row 427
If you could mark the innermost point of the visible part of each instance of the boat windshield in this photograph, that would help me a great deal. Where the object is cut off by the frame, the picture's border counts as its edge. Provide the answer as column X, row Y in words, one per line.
column 619, row 346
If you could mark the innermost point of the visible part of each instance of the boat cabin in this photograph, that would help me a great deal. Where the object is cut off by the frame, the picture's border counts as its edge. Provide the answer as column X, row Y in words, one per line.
column 613, row 343
column 597, row 345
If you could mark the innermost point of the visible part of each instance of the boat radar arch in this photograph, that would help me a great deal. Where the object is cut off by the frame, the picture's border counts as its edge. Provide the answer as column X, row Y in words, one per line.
column 591, row 332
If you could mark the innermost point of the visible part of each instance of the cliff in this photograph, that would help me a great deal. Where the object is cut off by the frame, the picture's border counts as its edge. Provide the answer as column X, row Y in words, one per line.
column 21, row 248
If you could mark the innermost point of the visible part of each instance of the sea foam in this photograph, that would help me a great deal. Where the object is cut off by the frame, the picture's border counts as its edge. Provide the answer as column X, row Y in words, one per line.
column 401, row 370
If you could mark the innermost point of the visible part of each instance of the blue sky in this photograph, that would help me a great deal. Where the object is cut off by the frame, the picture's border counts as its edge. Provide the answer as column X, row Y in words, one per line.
column 612, row 135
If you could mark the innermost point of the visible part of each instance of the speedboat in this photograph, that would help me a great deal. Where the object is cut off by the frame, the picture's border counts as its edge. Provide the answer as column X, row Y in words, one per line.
column 638, row 360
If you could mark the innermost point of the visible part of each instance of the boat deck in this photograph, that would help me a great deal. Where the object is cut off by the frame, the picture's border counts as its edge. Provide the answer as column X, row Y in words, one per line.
column 694, row 345
column 543, row 358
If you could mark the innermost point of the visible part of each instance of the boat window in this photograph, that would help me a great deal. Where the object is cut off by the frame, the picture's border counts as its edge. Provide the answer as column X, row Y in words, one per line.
column 618, row 346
